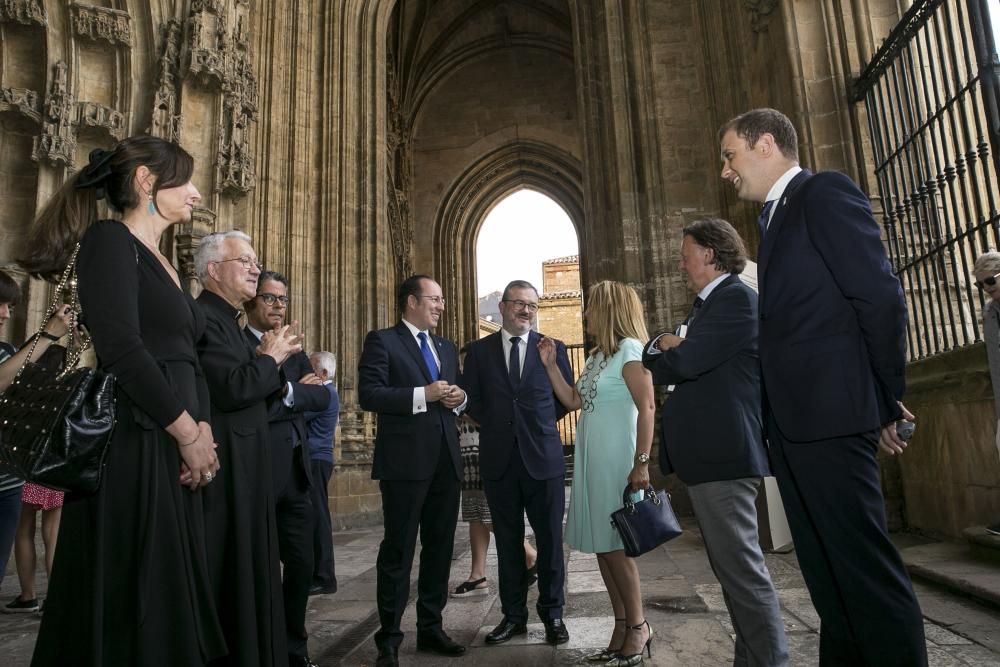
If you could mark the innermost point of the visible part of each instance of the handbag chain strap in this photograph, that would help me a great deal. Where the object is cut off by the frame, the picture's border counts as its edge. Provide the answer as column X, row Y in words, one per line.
column 79, row 339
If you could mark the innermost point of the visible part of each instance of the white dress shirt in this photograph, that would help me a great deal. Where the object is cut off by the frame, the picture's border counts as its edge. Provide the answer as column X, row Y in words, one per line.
column 778, row 189
column 522, row 347
column 419, row 398
column 681, row 330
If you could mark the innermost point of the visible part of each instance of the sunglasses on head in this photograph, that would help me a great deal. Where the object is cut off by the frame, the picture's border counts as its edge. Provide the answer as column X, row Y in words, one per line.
column 988, row 282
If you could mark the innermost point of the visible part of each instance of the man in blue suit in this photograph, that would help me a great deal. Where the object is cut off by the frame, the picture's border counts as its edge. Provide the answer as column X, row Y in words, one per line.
column 521, row 459
column 408, row 376
column 833, row 356
column 711, row 431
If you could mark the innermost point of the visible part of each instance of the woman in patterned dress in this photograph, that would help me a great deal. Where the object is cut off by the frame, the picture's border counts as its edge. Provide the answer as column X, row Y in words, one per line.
column 613, row 440
column 34, row 498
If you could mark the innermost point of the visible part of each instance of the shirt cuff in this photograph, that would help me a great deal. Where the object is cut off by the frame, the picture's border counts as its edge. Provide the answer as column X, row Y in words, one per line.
column 289, row 399
column 654, row 345
column 460, row 409
column 419, row 400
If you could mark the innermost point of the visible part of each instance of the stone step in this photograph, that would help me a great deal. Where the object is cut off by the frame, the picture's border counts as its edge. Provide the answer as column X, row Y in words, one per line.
column 984, row 545
column 957, row 568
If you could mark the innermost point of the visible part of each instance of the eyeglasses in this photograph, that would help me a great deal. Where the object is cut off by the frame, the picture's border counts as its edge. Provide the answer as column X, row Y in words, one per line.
column 247, row 262
column 989, row 282
column 522, row 305
column 270, row 299
column 437, row 300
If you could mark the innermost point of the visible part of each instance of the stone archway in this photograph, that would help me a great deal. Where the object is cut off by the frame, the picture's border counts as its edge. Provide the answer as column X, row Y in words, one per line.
column 521, row 164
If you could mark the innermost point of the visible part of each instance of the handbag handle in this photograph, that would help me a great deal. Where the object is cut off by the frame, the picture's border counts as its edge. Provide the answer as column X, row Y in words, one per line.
column 648, row 494
column 79, row 340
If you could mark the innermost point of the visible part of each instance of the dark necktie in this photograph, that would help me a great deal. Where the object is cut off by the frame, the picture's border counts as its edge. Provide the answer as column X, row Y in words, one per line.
column 425, row 350
column 694, row 310
column 514, row 366
column 765, row 215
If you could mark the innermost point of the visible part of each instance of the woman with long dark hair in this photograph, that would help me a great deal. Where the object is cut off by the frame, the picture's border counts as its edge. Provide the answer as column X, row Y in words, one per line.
column 129, row 583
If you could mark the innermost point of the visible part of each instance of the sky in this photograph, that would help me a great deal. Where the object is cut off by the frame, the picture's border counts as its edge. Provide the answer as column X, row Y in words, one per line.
column 520, row 233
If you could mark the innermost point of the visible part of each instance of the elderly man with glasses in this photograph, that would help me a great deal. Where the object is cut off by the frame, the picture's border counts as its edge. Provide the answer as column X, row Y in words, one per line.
column 241, row 378
column 291, row 471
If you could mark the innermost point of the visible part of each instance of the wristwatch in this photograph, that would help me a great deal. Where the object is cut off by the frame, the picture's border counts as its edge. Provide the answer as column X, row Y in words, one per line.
column 642, row 458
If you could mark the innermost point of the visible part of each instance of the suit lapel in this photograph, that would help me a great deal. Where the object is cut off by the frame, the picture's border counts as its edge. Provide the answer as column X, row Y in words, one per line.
column 777, row 220
column 500, row 358
column 530, row 355
column 410, row 343
column 446, row 370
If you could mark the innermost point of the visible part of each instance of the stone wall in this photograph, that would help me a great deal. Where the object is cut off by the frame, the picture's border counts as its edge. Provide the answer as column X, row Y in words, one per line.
column 951, row 470
column 560, row 315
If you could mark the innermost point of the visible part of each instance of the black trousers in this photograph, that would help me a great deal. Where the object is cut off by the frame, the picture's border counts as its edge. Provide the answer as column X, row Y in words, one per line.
column 324, row 570
column 295, row 518
column 832, row 494
column 544, row 500
column 429, row 506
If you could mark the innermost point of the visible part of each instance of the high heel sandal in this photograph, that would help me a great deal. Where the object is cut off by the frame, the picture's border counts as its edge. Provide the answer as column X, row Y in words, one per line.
column 636, row 658
column 608, row 653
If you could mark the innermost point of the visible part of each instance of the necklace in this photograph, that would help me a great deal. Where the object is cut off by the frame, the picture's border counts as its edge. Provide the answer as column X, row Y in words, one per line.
column 588, row 394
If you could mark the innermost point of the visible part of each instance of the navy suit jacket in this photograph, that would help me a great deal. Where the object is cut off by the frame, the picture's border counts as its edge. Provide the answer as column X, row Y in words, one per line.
column 711, row 424
column 407, row 445
column 832, row 314
column 288, row 424
column 526, row 411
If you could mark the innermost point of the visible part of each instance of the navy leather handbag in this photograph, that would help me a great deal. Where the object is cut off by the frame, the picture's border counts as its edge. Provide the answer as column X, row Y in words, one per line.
column 647, row 523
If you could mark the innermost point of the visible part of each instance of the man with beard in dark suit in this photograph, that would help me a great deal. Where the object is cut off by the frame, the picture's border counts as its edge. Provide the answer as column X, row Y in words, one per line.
column 241, row 531
column 301, row 393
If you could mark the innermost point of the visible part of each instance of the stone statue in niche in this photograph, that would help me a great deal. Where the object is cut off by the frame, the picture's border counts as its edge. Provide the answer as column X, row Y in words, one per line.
column 57, row 142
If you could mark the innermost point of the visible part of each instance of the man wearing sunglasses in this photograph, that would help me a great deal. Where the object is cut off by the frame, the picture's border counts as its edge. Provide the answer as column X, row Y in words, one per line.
column 290, row 468
column 987, row 272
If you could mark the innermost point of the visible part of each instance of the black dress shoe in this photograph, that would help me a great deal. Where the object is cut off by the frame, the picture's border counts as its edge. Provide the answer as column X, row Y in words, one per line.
column 505, row 631
column 388, row 657
column 440, row 644
column 317, row 589
column 556, row 632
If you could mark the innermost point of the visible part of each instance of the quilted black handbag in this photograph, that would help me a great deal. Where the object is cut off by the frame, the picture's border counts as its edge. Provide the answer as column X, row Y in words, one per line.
column 646, row 524
column 55, row 426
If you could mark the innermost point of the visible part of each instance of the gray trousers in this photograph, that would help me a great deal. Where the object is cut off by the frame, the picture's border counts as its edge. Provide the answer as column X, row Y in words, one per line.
column 728, row 519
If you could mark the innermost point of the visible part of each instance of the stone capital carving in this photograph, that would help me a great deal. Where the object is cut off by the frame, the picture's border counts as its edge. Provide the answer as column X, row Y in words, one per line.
column 101, row 24
column 187, row 238
column 22, row 101
column 92, row 114
column 26, row 12
column 57, row 142
column 760, row 12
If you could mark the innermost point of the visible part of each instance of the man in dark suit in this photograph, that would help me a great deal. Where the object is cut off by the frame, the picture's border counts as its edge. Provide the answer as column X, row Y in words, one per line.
column 833, row 356
column 290, row 469
column 409, row 377
column 322, row 431
column 711, row 431
column 521, row 459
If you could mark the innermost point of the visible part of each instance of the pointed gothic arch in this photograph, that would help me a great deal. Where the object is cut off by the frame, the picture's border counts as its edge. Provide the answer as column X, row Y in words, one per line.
column 497, row 174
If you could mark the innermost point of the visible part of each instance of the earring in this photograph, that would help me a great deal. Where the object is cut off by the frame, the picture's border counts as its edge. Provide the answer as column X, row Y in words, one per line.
column 151, row 207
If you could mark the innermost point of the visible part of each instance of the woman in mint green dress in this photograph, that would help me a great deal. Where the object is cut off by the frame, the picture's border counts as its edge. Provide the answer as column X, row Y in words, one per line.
column 613, row 440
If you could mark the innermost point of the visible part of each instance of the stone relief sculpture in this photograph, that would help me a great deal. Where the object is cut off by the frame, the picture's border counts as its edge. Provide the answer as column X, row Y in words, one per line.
column 101, row 23
column 760, row 12
column 57, row 142
column 26, row 12
column 166, row 122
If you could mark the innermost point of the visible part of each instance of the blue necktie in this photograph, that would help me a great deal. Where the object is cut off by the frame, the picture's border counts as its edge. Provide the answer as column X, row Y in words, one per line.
column 425, row 350
column 765, row 214
column 514, row 366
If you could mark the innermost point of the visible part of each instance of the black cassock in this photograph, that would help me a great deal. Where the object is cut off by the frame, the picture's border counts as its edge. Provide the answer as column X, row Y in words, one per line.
column 242, row 536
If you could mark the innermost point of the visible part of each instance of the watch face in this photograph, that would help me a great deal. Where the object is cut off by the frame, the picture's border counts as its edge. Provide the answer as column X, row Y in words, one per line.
column 643, row 458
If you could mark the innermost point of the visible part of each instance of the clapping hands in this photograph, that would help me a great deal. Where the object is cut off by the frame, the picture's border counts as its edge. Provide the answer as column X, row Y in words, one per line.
column 280, row 343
